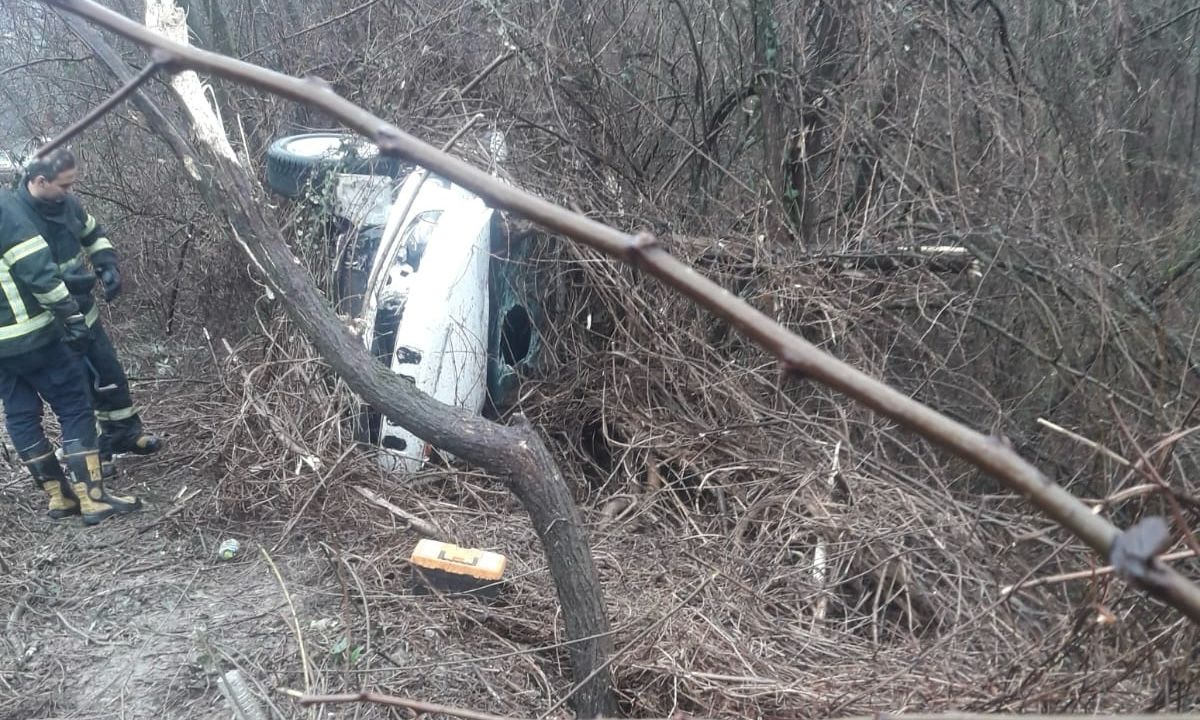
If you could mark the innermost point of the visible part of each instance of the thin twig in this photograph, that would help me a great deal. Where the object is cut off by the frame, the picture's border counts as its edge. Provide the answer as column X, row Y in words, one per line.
column 422, row 526
column 1085, row 574
column 295, row 619
column 39, row 61
column 1081, row 439
column 1155, row 477
column 88, row 638
column 482, row 74
column 180, row 505
column 479, row 77
column 100, row 110
column 330, row 20
column 379, row 699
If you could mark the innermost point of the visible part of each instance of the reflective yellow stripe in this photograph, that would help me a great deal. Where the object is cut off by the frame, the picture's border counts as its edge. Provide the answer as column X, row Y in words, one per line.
column 24, row 327
column 91, row 316
column 8, row 286
column 25, row 249
column 71, row 264
column 90, row 225
column 13, row 295
column 57, row 294
column 39, row 458
column 100, row 244
column 115, row 415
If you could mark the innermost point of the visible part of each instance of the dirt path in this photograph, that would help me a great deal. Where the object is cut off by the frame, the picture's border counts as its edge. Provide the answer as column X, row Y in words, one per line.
column 112, row 622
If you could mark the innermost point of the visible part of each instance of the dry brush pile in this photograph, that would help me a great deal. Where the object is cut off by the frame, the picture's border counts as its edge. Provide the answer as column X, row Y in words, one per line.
column 765, row 547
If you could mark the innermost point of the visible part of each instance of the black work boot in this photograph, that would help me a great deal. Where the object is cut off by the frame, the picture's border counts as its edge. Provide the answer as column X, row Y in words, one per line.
column 127, row 436
column 108, row 465
column 48, row 476
column 87, row 482
column 144, row 444
column 108, row 469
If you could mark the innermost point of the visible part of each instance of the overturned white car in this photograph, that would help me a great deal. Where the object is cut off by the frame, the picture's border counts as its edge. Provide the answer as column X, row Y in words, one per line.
column 414, row 257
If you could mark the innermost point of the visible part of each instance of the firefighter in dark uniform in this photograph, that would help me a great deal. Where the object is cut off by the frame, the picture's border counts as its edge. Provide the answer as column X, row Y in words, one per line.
column 41, row 330
column 72, row 233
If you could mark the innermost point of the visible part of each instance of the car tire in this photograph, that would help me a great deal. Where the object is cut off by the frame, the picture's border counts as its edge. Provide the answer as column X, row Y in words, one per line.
column 296, row 161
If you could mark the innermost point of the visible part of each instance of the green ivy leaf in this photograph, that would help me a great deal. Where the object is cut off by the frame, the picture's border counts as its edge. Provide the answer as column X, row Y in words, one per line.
column 340, row 646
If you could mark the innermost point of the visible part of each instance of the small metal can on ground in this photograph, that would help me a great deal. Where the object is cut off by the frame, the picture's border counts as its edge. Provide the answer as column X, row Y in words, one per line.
column 228, row 549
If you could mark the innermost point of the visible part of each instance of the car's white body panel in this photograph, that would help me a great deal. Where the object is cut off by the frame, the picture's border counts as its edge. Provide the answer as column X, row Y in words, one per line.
column 441, row 340
column 364, row 199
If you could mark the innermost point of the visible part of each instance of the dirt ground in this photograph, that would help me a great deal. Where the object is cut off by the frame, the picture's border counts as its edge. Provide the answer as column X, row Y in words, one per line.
column 137, row 617
column 126, row 619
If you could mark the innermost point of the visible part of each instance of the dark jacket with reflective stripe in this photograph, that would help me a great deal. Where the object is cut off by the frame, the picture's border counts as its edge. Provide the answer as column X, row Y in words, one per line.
column 29, row 283
column 71, row 232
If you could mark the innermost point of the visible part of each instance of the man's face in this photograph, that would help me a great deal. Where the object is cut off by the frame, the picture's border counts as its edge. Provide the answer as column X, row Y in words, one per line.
column 53, row 190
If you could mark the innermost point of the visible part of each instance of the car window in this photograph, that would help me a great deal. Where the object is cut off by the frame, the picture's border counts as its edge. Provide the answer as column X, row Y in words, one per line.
column 416, row 236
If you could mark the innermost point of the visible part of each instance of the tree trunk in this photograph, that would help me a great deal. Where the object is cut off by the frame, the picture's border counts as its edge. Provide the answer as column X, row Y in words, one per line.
column 766, row 66
column 808, row 141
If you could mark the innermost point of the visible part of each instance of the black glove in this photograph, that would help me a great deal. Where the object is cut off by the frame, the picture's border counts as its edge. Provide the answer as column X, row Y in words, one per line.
column 76, row 333
column 110, row 278
column 79, row 281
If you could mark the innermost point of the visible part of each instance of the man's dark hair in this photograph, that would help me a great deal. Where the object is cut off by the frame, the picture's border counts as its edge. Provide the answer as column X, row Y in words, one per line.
column 50, row 165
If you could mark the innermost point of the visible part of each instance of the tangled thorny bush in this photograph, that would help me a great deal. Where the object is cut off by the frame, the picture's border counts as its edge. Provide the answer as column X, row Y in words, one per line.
column 765, row 546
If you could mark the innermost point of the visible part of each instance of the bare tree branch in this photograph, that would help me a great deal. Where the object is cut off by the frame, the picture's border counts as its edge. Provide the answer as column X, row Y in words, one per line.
column 99, row 111
column 40, row 61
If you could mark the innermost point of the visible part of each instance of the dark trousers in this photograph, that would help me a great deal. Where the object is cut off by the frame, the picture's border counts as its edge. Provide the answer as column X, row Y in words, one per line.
column 53, row 374
column 120, row 425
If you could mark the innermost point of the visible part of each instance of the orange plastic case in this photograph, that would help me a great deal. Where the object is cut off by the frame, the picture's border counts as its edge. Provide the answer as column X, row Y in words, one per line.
column 452, row 569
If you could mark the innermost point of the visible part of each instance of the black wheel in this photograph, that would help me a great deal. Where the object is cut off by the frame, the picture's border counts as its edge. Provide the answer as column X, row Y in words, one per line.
column 295, row 161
